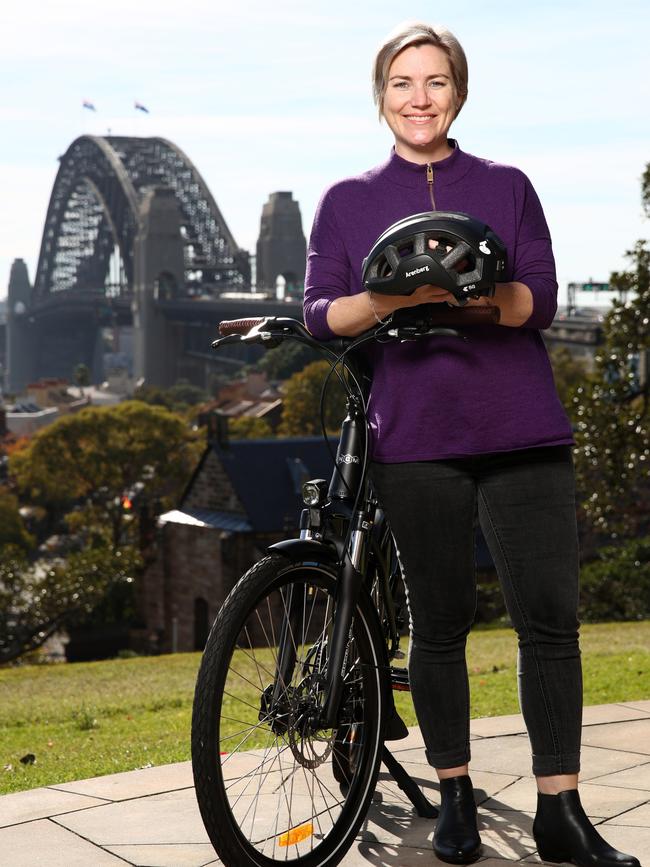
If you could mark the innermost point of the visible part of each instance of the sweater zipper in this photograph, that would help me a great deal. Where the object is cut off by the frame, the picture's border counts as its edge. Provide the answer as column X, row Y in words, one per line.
column 430, row 185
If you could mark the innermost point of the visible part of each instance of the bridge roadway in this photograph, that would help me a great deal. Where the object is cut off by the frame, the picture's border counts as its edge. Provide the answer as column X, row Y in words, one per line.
column 65, row 329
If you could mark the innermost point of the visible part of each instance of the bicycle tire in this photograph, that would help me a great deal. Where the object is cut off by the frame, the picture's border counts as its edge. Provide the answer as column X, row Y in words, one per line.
column 295, row 814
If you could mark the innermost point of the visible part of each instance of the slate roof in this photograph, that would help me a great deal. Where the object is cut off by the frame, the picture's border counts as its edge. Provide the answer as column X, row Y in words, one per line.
column 267, row 475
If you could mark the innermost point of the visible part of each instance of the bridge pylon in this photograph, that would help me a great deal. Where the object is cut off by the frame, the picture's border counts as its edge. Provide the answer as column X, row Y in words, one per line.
column 158, row 278
column 20, row 358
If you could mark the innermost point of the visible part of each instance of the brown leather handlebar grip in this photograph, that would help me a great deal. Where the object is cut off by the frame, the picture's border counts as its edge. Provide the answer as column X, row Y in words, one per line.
column 239, row 326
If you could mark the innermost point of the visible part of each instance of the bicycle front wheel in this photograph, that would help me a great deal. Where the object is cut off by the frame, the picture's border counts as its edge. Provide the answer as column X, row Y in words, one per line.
column 264, row 767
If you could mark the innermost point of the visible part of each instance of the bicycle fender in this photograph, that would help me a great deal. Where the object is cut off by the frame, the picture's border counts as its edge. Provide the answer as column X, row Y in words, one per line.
column 304, row 549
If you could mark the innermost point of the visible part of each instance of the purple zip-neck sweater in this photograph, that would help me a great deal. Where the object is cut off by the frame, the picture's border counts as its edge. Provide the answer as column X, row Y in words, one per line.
column 443, row 397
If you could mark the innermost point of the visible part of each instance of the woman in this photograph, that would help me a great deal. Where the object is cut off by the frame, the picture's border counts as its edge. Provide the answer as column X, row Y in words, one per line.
column 460, row 427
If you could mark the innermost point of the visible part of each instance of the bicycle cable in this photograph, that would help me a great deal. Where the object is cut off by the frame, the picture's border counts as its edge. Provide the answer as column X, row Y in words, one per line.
column 363, row 408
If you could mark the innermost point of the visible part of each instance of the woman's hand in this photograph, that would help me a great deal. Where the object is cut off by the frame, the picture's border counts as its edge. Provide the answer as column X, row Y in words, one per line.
column 427, row 294
column 352, row 314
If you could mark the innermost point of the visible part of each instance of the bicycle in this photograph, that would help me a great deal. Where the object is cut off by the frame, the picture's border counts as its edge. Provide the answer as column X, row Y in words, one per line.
column 293, row 699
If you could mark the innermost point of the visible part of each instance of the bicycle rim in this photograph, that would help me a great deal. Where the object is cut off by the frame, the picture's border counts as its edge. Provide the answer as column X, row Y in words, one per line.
column 272, row 796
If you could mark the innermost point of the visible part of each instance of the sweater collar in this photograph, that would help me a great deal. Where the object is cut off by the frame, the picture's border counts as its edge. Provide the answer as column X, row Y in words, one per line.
column 408, row 174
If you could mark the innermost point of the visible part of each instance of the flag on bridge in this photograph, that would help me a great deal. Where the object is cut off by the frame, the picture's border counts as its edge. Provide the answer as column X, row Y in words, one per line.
column 139, row 107
column 89, row 105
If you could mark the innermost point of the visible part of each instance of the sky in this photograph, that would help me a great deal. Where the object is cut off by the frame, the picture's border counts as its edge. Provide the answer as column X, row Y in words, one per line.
column 276, row 96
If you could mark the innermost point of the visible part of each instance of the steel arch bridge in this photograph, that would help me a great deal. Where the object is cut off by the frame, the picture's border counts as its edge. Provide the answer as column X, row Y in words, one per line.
column 92, row 220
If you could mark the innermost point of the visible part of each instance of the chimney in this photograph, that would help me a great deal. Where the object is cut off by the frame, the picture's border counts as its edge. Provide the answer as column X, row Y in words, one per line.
column 218, row 429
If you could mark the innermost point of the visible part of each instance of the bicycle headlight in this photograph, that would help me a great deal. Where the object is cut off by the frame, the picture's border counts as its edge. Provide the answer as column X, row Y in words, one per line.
column 314, row 493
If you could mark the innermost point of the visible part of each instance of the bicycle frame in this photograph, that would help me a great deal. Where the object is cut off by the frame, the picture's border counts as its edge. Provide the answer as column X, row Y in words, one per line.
column 321, row 688
column 350, row 504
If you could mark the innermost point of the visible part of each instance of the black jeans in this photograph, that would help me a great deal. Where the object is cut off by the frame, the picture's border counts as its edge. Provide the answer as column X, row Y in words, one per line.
column 525, row 502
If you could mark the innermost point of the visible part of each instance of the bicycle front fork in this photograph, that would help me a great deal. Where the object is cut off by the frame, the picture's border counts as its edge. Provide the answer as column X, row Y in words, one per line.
column 347, row 595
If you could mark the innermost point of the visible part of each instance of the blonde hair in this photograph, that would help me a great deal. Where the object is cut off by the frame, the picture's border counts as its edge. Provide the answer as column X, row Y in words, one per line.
column 417, row 33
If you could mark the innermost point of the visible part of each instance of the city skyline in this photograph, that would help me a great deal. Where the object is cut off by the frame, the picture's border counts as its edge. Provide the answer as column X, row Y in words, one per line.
column 279, row 99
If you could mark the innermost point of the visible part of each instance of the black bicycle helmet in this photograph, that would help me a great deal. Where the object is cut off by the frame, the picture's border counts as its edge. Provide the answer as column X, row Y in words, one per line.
column 467, row 261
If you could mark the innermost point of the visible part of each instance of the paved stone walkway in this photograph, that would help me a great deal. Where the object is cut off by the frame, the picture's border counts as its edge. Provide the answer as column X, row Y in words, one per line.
column 149, row 818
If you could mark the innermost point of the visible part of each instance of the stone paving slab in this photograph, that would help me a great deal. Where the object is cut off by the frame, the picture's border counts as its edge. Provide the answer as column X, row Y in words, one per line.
column 600, row 802
column 39, row 804
column 180, row 855
column 594, row 714
column 134, row 784
column 150, row 818
column 639, row 816
column 485, row 784
column 631, row 735
column 170, row 818
column 388, row 855
column 643, row 704
column 490, row 726
column 414, row 740
column 509, row 754
column 44, row 844
column 507, row 836
column 637, row 777
column 597, row 762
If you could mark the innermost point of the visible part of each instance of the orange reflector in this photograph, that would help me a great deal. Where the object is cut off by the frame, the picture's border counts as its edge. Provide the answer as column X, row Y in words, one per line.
column 296, row 835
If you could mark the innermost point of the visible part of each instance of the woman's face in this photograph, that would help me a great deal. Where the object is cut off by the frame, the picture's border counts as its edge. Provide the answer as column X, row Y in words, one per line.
column 420, row 102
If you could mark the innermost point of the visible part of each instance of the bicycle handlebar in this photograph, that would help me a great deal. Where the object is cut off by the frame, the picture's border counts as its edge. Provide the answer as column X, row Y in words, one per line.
column 444, row 316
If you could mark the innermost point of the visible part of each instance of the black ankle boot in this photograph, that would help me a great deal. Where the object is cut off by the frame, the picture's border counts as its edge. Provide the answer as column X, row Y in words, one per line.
column 563, row 832
column 456, row 839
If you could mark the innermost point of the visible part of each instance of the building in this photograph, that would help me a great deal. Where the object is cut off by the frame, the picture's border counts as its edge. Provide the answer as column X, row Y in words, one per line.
column 579, row 331
column 252, row 397
column 243, row 496
column 43, row 403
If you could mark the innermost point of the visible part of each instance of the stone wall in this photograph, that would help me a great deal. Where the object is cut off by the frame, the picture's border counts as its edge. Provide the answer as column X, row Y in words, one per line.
column 193, row 563
column 212, row 489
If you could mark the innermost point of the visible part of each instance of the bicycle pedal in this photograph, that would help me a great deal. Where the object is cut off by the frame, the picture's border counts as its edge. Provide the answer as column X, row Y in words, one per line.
column 399, row 679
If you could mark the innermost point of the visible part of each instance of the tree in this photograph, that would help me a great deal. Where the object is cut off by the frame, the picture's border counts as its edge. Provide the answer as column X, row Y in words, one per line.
column 177, row 398
column 37, row 599
column 569, row 372
column 95, row 458
column 301, row 410
column 612, row 410
column 12, row 527
column 286, row 359
column 107, row 470
column 247, row 428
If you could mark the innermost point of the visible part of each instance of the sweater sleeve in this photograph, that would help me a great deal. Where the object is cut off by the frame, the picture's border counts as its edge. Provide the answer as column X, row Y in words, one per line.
column 328, row 269
column 534, row 264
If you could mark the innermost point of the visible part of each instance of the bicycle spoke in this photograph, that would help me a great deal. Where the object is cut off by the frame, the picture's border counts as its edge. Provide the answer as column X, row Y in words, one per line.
column 277, row 772
column 234, row 671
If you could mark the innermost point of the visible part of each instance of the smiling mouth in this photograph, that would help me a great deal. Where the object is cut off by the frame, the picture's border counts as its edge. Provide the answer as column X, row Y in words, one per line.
column 419, row 118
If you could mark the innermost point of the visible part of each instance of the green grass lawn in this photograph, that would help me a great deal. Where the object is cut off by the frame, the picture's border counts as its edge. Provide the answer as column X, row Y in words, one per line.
column 89, row 719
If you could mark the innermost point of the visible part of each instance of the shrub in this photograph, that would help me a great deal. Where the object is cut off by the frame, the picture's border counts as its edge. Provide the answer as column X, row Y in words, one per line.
column 616, row 586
